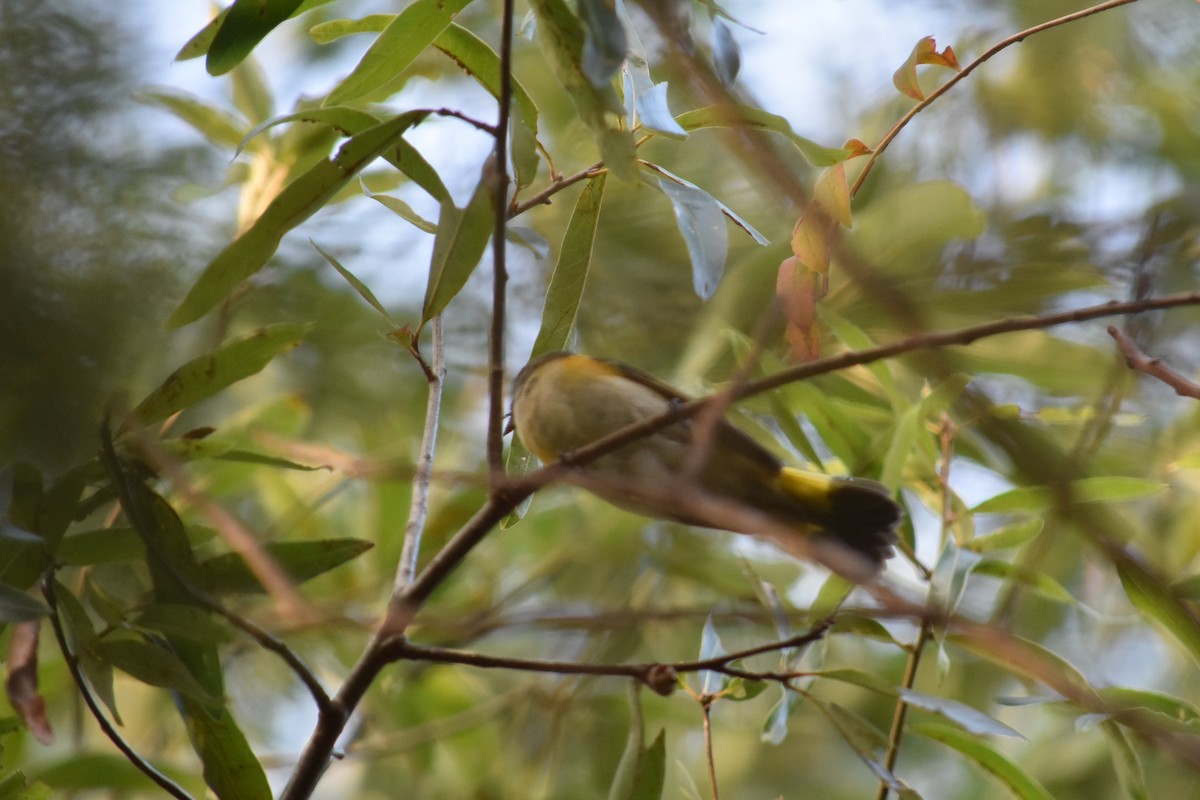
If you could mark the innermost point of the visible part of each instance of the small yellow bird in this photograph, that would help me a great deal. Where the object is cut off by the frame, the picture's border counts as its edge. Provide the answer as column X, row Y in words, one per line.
column 564, row 401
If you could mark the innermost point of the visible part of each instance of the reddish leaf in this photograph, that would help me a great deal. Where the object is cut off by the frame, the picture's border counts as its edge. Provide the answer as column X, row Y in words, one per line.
column 832, row 194
column 22, row 682
column 798, row 288
column 810, row 241
column 925, row 52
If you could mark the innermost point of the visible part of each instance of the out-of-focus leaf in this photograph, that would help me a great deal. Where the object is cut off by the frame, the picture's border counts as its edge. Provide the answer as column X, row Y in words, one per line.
column 651, row 773
column 334, row 29
column 203, row 377
column 857, row 677
column 775, row 726
column 1156, row 601
column 1125, row 762
column 1014, row 535
column 832, row 594
column 200, row 42
column 1104, row 489
column 988, row 758
column 18, row 606
column 832, row 194
column 605, row 43
column 641, row 771
column 727, row 56
column 153, row 665
column 214, row 123
column 461, row 238
column 756, row 119
column 1039, row 582
column 924, row 52
column 247, row 22
column 562, row 35
column 21, row 681
column 101, row 546
column 300, row 561
column 405, row 38
column 571, row 270
column 909, row 425
column 1031, row 660
column 298, row 201
column 970, row 719
column 185, row 622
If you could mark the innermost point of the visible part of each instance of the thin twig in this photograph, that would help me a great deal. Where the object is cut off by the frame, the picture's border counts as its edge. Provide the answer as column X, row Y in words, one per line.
column 1154, row 367
column 543, row 197
column 72, row 662
column 706, row 704
column 424, row 471
column 1003, row 44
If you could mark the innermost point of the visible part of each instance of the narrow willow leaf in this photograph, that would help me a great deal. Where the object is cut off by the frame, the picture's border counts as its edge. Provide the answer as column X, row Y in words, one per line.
column 1103, row 489
column 1155, row 600
column 461, row 238
column 483, row 64
column 200, row 42
column 1031, row 660
column 832, row 594
column 18, row 606
column 756, row 119
column 184, row 622
column 401, row 209
column 623, row 779
column 1014, row 535
column 859, row 678
column 230, row 768
column 775, row 726
column 726, row 210
column 988, row 758
column 203, row 377
column 1041, row 583
column 334, row 29
column 298, row 201
column 970, row 719
column 1125, row 762
column 405, row 38
column 84, row 641
column 651, row 773
column 909, row 425
column 699, row 220
column 565, row 291
column 300, row 561
column 361, row 288
column 247, row 22
column 153, row 665
column 216, row 124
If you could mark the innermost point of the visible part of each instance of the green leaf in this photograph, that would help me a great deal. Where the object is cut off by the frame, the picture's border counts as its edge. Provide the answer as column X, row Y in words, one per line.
column 154, row 665
column 85, row 644
column 461, row 238
column 651, row 773
column 654, row 113
column 112, row 774
column 710, row 647
column 623, row 779
column 300, row 561
column 1125, row 762
column 1104, row 489
column 180, row 621
column 216, row 124
column 298, row 201
column 565, row 291
column 203, row 377
column 832, row 594
column 243, row 27
column 985, row 756
column 230, row 768
column 397, row 46
column 735, row 116
column 483, row 64
column 363, row 290
column 1155, row 600
column 334, row 29
column 400, row 209
column 18, row 606
column 1012, row 535
column 1039, row 582
column 970, row 719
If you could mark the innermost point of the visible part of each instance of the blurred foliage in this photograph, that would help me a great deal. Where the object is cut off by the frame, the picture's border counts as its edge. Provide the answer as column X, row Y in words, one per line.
column 277, row 411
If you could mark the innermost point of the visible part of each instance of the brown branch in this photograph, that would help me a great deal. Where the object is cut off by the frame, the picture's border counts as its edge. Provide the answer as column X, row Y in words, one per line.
column 1003, row 44
column 1154, row 367
column 543, row 197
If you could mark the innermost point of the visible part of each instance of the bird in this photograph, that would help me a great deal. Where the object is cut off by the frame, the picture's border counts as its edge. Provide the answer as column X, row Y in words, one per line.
column 715, row 476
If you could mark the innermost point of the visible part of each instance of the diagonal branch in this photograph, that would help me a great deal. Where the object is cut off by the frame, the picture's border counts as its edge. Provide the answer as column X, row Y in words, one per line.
column 1154, row 367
